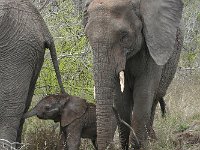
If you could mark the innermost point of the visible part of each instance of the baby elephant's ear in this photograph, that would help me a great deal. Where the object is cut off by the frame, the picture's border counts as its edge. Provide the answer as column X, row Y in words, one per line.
column 74, row 109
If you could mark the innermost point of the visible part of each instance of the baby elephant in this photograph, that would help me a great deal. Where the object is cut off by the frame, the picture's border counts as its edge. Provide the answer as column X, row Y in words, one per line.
column 77, row 118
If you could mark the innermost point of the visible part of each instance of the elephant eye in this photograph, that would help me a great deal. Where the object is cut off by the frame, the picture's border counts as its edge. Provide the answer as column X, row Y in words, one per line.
column 125, row 39
column 47, row 107
column 124, row 34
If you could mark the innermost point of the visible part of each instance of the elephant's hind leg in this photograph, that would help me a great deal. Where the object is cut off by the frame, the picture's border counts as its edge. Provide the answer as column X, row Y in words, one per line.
column 34, row 78
column 151, row 132
column 13, row 94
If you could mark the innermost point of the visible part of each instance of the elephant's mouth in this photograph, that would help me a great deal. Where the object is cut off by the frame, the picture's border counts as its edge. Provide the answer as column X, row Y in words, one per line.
column 41, row 116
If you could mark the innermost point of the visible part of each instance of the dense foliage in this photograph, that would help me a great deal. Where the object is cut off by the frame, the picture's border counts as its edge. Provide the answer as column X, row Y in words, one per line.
column 74, row 53
column 191, row 28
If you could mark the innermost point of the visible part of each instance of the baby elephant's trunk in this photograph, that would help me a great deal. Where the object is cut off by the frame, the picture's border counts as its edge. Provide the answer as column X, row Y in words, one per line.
column 30, row 113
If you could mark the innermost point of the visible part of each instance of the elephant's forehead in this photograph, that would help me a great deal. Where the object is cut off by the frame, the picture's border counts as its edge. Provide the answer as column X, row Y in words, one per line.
column 108, row 4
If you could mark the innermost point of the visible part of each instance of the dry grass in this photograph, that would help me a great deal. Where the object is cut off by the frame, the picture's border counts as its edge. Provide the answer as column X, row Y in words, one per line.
column 182, row 111
column 43, row 136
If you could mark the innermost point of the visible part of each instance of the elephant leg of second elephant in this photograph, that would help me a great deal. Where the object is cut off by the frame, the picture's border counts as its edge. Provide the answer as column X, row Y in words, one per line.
column 151, row 132
column 145, row 87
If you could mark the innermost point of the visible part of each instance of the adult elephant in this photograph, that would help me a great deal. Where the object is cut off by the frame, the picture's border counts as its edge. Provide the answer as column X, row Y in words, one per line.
column 136, row 46
column 23, row 40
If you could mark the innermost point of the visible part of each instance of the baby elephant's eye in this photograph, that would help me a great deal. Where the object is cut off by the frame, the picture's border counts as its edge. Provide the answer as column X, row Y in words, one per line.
column 47, row 107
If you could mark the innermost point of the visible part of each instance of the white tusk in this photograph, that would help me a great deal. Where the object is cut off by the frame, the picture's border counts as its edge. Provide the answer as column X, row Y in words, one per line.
column 121, row 78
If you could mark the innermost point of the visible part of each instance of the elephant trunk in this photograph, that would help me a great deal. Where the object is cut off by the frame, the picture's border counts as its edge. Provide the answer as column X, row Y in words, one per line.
column 30, row 113
column 104, row 76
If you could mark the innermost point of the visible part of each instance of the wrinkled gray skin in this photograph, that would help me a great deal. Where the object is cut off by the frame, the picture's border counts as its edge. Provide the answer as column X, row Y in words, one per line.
column 143, row 39
column 77, row 118
column 23, row 40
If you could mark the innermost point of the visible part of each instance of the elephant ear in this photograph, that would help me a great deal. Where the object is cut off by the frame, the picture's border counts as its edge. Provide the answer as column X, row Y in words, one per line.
column 74, row 109
column 161, row 19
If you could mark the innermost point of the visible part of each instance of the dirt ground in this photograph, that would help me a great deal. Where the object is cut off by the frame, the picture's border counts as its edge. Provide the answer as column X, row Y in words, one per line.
column 188, row 139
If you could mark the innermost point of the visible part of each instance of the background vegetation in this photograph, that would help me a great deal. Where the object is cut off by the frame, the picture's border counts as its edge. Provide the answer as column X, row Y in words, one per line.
column 64, row 19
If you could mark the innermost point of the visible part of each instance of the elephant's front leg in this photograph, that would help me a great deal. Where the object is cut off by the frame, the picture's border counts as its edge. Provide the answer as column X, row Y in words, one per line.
column 145, row 87
column 73, row 135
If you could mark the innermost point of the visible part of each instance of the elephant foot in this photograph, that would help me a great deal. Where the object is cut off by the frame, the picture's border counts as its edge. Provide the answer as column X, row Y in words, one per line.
column 152, row 134
column 135, row 145
column 142, row 144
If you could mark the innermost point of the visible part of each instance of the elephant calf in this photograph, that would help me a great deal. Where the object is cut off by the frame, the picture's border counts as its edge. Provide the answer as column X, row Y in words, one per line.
column 77, row 118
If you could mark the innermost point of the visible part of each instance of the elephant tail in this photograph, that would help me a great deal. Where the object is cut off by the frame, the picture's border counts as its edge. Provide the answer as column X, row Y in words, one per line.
column 54, row 58
column 162, row 106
